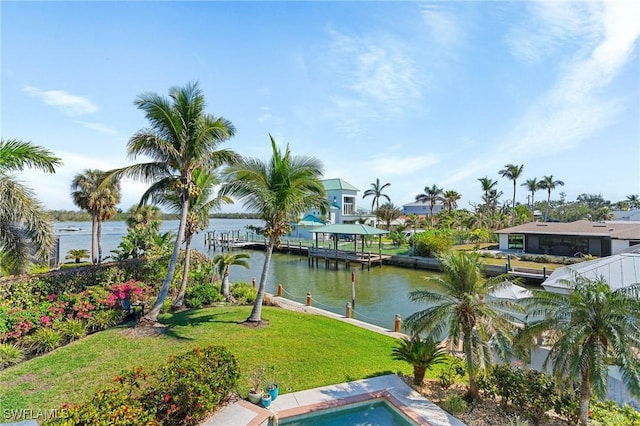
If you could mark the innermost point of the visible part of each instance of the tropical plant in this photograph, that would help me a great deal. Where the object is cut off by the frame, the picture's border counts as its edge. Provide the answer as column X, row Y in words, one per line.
column 549, row 184
column 587, row 330
column 23, row 220
column 77, row 255
column 98, row 200
column 388, row 212
column 461, row 309
column 224, row 262
column 487, row 186
column 633, row 200
column 430, row 195
column 512, row 172
column 279, row 191
column 201, row 203
column 421, row 353
column 10, row 354
column 450, row 199
column 454, row 404
column 376, row 193
column 532, row 186
column 181, row 139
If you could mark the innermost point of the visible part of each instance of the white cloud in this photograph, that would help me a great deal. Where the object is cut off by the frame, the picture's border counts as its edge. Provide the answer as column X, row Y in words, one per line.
column 102, row 128
column 444, row 27
column 70, row 105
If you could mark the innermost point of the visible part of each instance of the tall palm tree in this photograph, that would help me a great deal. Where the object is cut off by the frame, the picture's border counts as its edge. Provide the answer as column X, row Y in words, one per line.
column 589, row 329
column 487, row 186
column 450, row 199
column 98, row 200
column 23, row 220
column 532, row 186
column 181, row 139
column 549, row 184
column 462, row 309
column 201, row 203
column 431, row 195
column 224, row 262
column 376, row 193
column 512, row 172
column 279, row 190
column 633, row 201
column 388, row 212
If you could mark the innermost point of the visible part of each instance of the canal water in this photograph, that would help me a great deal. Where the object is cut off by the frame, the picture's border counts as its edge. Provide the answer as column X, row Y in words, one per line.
column 381, row 292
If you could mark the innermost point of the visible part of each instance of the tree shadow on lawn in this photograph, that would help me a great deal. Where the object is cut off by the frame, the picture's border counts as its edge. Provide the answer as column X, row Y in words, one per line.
column 194, row 318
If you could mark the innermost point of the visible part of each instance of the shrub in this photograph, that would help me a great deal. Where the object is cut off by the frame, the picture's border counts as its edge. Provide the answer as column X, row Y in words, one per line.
column 192, row 385
column 432, row 242
column 517, row 421
column 200, row 295
column 453, row 368
column 181, row 392
column 10, row 354
column 608, row 413
column 72, row 329
column 101, row 320
column 243, row 292
column 43, row 340
column 454, row 404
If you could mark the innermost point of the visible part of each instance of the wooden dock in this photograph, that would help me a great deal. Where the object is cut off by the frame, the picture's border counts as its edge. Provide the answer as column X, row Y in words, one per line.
column 337, row 256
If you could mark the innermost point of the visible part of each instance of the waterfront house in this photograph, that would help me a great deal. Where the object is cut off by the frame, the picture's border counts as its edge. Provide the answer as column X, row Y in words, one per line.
column 571, row 239
column 421, row 209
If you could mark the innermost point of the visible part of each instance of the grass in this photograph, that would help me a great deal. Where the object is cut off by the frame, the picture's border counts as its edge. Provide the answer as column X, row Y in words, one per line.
column 305, row 350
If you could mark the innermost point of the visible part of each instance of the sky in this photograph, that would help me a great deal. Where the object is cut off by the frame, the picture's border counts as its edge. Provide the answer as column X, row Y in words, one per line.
column 411, row 93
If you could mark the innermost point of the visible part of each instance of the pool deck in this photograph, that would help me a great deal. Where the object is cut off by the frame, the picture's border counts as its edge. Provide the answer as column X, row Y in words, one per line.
column 389, row 387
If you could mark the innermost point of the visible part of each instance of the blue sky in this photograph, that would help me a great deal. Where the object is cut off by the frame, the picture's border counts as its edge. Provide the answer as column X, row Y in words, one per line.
column 413, row 93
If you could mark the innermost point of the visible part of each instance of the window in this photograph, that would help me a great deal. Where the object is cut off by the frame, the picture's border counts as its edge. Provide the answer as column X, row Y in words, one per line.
column 348, row 205
column 516, row 242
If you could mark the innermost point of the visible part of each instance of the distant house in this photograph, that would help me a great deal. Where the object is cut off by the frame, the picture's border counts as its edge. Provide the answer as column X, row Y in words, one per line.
column 628, row 215
column 571, row 239
column 343, row 208
column 421, row 209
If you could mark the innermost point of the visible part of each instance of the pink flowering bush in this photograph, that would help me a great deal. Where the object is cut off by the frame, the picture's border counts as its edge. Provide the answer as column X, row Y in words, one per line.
column 133, row 290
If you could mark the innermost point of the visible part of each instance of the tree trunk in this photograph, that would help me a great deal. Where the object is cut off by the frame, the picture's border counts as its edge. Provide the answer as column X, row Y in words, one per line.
column 473, row 392
column 418, row 374
column 152, row 315
column 94, row 239
column 256, row 312
column 546, row 216
column 185, row 273
column 513, row 204
column 225, row 282
column 99, row 238
column 585, row 396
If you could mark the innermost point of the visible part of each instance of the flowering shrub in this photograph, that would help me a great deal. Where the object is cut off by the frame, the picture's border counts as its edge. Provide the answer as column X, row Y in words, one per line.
column 133, row 290
column 181, row 392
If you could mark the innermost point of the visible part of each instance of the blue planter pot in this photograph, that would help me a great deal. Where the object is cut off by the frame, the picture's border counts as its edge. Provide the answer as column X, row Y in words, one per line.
column 274, row 391
column 266, row 400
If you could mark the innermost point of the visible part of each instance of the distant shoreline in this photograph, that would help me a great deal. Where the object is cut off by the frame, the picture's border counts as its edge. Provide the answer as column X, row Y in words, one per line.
column 81, row 216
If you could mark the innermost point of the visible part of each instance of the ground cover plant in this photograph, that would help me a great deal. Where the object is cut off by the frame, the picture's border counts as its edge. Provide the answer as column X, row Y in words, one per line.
column 291, row 344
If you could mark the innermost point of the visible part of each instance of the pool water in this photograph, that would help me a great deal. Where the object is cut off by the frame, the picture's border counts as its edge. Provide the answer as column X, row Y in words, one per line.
column 368, row 413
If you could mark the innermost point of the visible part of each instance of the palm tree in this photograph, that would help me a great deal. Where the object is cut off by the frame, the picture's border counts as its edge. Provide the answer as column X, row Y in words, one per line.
column 98, row 200
column 487, row 186
column 77, row 255
column 23, row 220
column 589, row 329
column 388, row 212
column 463, row 310
column 279, row 190
column 422, row 354
column 512, row 172
column 181, row 139
column 450, row 199
column 376, row 193
column 224, row 262
column 200, row 205
column 633, row 201
column 549, row 184
column 431, row 195
column 532, row 186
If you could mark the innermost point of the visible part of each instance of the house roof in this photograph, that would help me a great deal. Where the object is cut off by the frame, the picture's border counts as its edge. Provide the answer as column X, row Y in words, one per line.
column 614, row 230
column 350, row 229
column 620, row 270
column 309, row 221
column 337, row 185
column 421, row 204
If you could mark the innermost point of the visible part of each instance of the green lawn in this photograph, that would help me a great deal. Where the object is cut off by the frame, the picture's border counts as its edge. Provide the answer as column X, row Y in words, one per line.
column 306, row 350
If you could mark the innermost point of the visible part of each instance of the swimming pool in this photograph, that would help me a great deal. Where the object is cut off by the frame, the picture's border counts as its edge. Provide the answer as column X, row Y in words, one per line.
column 377, row 412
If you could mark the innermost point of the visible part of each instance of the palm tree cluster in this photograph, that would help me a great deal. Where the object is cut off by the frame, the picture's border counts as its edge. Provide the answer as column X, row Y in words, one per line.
column 587, row 330
column 432, row 195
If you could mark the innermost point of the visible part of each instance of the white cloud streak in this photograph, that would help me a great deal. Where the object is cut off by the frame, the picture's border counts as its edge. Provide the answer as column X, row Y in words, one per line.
column 102, row 128
column 70, row 105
